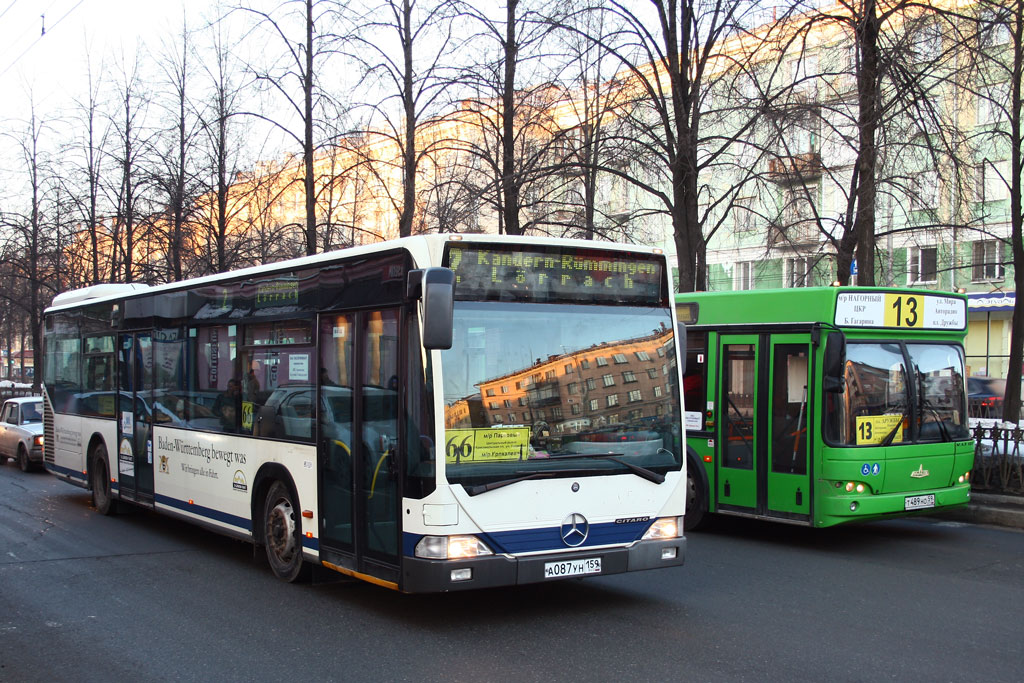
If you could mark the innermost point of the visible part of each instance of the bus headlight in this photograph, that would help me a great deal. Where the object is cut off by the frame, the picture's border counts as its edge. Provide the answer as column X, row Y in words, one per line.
column 663, row 527
column 451, row 547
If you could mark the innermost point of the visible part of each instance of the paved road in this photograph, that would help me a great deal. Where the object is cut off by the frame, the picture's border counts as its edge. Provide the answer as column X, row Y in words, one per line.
column 141, row 597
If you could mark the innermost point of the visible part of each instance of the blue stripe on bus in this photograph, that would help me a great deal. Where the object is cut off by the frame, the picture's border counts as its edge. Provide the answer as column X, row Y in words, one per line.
column 209, row 513
column 547, row 538
column 233, row 520
column 67, row 472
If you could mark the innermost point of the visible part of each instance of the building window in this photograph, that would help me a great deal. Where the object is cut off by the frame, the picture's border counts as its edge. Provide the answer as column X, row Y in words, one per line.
column 508, row 403
column 522, row 400
column 585, row 364
column 504, row 389
column 743, row 275
column 635, row 396
column 798, row 272
column 494, row 405
column 593, row 405
column 652, row 373
column 992, row 181
column 550, row 374
column 987, row 261
column 577, row 409
column 608, row 380
column 556, row 413
column 925, row 194
column 620, row 358
column 641, row 355
column 574, row 387
column 490, row 392
column 657, row 391
column 591, row 383
column 743, row 214
column 612, row 399
column 628, row 376
column 601, row 361
column 921, row 265
column 568, row 368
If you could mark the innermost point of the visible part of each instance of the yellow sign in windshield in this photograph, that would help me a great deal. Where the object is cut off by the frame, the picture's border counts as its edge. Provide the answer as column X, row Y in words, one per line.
column 487, row 445
column 873, row 429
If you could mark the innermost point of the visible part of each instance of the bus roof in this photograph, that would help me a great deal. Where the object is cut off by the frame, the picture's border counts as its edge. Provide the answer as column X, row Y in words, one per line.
column 812, row 305
column 433, row 243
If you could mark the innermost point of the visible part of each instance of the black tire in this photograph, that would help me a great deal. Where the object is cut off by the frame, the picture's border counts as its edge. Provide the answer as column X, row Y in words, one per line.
column 23, row 461
column 282, row 533
column 99, row 480
column 696, row 501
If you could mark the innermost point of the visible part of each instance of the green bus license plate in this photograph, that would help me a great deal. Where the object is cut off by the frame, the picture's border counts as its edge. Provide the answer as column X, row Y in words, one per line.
column 556, row 570
column 918, row 502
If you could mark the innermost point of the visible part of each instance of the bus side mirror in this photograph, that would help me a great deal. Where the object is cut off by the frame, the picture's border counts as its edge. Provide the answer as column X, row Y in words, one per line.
column 437, row 290
column 834, row 379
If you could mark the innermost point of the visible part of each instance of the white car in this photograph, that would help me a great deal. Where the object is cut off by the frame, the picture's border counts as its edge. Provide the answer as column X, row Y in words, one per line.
column 21, row 431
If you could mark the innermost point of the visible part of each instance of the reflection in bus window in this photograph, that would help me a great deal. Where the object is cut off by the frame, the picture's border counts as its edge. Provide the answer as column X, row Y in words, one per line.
column 789, row 409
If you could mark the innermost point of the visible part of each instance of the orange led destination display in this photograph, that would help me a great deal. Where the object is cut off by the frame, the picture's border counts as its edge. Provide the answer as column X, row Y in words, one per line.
column 542, row 275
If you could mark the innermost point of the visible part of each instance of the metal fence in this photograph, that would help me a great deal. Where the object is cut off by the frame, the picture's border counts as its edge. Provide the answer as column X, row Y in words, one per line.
column 10, row 392
column 998, row 460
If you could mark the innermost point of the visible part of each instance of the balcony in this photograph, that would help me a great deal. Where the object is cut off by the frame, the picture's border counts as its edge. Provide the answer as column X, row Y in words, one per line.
column 796, row 168
column 791, row 235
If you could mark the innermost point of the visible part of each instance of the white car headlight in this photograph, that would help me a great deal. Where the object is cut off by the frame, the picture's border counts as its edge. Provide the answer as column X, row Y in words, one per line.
column 664, row 528
column 451, row 547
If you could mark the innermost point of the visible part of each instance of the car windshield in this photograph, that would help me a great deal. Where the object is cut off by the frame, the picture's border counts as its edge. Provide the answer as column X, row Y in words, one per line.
column 899, row 394
column 548, row 389
column 31, row 412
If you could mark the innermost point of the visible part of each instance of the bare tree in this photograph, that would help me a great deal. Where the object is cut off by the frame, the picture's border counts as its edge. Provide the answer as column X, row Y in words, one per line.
column 304, row 60
column 403, row 46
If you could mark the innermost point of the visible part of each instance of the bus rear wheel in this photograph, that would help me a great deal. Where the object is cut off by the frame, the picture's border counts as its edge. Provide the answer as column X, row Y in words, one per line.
column 281, row 533
column 99, row 478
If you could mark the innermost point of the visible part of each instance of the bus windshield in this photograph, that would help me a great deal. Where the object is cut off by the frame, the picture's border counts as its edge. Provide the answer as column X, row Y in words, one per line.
column 559, row 390
column 899, row 394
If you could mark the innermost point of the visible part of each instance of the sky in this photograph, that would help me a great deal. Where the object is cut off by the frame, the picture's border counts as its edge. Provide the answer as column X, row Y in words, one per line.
column 51, row 65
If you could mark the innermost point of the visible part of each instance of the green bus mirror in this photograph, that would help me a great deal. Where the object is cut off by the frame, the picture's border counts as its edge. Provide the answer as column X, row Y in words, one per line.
column 834, row 379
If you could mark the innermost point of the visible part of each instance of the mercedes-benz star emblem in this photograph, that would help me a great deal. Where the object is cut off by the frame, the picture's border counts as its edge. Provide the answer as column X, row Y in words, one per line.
column 575, row 529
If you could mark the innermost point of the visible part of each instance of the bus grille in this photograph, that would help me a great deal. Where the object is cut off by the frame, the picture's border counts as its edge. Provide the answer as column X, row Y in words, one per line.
column 48, row 438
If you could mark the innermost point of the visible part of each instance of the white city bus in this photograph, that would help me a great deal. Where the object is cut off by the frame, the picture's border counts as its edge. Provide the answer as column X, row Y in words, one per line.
column 436, row 413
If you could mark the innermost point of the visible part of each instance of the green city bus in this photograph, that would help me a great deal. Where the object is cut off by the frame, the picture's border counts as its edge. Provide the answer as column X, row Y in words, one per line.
column 824, row 405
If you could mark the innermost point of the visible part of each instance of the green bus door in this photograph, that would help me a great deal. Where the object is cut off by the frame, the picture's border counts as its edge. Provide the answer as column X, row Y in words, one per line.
column 763, row 417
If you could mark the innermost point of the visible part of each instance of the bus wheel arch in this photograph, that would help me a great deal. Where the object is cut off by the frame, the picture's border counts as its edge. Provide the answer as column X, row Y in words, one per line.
column 98, row 467
column 277, row 522
column 697, row 487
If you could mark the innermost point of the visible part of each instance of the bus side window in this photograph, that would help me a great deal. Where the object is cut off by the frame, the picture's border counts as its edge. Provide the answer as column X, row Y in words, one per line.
column 695, row 376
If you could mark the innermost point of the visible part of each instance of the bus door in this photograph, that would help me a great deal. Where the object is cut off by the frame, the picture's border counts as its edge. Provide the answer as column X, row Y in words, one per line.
column 738, row 419
column 359, row 388
column 135, row 419
column 788, row 485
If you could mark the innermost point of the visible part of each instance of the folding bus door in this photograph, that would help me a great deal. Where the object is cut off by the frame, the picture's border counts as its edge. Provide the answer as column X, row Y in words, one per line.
column 135, row 418
column 359, row 384
column 739, row 423
column 788, row 477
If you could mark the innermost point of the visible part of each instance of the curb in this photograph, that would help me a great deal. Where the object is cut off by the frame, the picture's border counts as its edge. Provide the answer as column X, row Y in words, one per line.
column 993, row 509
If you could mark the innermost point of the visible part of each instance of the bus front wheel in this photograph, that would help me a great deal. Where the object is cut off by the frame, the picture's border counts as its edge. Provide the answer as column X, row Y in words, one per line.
column 281, row 533
column 696, row 502
column 99, row 476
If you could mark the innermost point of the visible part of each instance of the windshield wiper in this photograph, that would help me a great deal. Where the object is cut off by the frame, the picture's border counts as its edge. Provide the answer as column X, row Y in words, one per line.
column 484, row 488
column 643, row 472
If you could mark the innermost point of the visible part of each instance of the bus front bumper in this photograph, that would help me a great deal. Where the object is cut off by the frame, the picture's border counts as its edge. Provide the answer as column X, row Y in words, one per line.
column 848, row 508
column 438, row 576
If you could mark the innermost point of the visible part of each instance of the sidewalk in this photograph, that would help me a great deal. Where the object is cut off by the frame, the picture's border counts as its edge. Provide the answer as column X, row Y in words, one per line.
column 988, row 508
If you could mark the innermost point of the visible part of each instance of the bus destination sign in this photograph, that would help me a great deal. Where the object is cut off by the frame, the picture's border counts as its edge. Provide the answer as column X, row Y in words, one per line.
column 555, row 274
column 900, row 310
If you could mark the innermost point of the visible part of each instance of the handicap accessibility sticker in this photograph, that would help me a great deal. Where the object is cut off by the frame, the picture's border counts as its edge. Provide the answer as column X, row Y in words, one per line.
column 865, row 469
